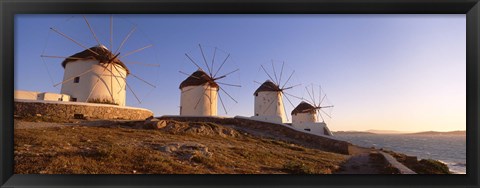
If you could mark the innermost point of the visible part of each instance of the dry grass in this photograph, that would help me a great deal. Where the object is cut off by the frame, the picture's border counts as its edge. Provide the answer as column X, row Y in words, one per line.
column 117, row 150
column 102, row 101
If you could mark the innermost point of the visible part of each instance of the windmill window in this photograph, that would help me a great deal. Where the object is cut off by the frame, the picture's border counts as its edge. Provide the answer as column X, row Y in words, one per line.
column 76, row 79
column 307, row 129
column 256, row 114
column 74, row 99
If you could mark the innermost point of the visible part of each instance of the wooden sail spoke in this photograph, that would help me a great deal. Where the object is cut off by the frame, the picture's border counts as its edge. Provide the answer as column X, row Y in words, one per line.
column 308, row 92
column 190, row 58
column 268, row 107
column 200, row 98
column 223, row 105
column 71, row 39
column 71, row 78
column 137, row 50
column 289, row 101
column 225, row 75
column 205, row 60
column 143, row 80
column 229, row 84
column 290, row 87
column 91, row 30
column 228, row 94
column 275, row 73
column 125, row 39
column 268, row 74
column 221, row 65
column 325, row 113
column 288, row 79
column 96, row 83
column 213, row 60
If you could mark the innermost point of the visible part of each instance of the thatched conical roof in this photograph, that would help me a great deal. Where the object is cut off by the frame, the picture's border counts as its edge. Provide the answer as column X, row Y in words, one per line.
column 198, row 78
column 104, row 56
column 303, row 107
column 267, row 86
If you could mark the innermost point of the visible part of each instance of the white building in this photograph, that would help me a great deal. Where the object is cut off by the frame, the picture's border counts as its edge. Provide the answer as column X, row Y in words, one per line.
column 269, row 103
column 199, row 94
column 96, row 76
column 43, row 96
column 25, row 95
column 304, row 117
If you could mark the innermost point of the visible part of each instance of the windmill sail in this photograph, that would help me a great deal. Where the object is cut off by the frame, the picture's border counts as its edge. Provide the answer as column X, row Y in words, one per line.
column 309, row 114
column 269, row 103
column 201, row 89
column 97, row 74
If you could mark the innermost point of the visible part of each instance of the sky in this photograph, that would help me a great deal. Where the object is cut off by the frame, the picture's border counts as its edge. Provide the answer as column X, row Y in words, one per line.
column 382, row 72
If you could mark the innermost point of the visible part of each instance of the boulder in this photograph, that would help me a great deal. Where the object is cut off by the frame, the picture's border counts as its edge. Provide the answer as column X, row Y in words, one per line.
column 186, row 150
column 155, row 124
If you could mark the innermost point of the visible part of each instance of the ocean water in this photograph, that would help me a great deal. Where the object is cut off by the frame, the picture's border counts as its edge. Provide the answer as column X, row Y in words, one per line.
column 449, row 149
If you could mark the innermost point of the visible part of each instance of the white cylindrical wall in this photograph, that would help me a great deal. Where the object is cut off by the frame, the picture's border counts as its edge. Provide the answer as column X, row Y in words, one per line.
column 205, row 96
column 99, row 83
column 304, row 118
column 269, row 106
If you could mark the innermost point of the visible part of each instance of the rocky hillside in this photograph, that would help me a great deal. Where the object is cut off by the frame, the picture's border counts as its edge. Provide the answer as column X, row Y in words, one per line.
column 116, row 147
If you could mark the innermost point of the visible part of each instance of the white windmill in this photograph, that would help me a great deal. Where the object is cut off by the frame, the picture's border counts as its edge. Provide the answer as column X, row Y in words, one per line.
column 306, row 115
column 98, row 74
column 200, row 91
column 269, row 96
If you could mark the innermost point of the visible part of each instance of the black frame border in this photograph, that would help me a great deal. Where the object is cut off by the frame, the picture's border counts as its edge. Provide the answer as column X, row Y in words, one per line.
column 8, row 9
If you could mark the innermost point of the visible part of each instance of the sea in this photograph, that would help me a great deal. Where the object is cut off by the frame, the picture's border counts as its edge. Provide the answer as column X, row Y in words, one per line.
column 449, row 149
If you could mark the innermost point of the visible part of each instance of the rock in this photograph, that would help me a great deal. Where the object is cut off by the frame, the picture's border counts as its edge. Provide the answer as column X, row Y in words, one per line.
column 155, row 124
column 411, row 159
column 186, row 150
column 229, row 132
column 169, row 148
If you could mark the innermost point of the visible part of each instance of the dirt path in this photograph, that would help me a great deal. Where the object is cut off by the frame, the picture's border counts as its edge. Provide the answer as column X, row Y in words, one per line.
column 359, row 163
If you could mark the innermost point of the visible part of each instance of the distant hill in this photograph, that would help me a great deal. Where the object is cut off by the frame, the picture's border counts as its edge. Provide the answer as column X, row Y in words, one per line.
column 373, row 132
column 352, row 132
column 440, row 133
column 385, row 131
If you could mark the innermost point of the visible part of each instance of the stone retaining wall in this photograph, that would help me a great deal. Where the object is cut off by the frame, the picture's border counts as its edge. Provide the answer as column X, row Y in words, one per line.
column 274, row 131
column 394, row 163
column 72, row 110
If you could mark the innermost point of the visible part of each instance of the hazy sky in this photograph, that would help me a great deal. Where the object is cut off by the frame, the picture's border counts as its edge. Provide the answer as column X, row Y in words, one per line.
column 389, row 72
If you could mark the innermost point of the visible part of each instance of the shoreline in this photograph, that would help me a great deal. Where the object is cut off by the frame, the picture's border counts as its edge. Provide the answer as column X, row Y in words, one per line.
column 456, row 165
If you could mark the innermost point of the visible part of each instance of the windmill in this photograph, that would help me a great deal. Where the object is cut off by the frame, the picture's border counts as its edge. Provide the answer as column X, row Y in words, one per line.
column 199, row 92
column 269, row 97
column 98, row 74
column 306, row 115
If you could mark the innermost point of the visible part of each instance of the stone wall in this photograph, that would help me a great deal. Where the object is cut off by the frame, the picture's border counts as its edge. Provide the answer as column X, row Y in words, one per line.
column 72, row 110
column 273, row 131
